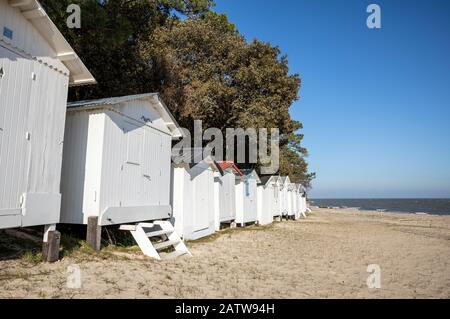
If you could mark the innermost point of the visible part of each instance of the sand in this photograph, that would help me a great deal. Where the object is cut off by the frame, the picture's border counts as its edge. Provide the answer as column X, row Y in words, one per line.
column 324, row 256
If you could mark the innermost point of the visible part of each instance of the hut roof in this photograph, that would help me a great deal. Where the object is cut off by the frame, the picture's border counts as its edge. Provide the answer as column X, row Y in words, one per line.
column 36, row 15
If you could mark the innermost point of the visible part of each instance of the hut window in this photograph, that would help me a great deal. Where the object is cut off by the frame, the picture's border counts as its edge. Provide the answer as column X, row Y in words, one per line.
column 8, row 33
column 275, row 192
column 247, row 188
column 134, row 147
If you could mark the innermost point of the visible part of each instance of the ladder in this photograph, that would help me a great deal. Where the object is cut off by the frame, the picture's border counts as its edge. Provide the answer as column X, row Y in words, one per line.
column 156, row 236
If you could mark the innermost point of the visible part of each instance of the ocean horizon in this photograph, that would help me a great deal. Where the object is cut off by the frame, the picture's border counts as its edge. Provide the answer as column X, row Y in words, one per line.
column 432, row 206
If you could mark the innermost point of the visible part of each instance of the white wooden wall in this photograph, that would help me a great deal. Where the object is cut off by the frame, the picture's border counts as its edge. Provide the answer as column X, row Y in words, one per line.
column 113, row 159
column 193, row 201
column 82, row 166
column 134, row 173
column 225, row 198
column 276, row 210
column 304, row 204
column 246, row 203
column 33, row 99
column 290, row 201
column 296, row 204
column 266, row 204
column 283, row 200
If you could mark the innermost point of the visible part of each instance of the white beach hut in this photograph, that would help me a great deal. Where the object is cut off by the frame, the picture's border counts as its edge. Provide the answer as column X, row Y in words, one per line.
column 277, row 185
column 291, row 201
column 37, row 66
column 300, row 204
column 297, row 201
column 247, row 198
column 268, row 193
column 225, row 194
column 303, row 206
column 284, row 200
column 117, row 162
column 294, row 202
column 193, row 198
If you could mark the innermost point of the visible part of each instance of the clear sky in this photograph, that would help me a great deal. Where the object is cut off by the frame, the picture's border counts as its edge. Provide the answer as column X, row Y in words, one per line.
column 375, row 104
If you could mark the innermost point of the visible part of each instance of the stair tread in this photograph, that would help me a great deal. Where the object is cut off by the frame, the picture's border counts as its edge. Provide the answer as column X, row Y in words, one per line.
column 159, row 233
column 166, row 244
column 154, row 230
column 147, row 225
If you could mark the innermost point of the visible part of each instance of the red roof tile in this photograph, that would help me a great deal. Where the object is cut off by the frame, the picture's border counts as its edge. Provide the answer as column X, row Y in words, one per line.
column 230, row 164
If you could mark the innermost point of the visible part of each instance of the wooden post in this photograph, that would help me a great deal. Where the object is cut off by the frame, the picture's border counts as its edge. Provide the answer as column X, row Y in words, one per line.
column 94, row 233
column 50, row 246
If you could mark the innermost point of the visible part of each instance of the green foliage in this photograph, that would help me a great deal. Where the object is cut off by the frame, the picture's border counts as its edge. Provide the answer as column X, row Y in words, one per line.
column 201, row 65
column 108, row 37
column 32, row 256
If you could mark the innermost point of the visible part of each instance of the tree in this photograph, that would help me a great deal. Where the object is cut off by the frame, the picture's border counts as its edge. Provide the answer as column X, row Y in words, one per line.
column 108, row 37
column 201, row 65
column 210, row 73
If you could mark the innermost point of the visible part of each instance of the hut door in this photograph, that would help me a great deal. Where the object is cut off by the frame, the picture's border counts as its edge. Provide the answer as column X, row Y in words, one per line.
column 228, row 193
column 132, row 168
column 15, row 88
column 201, row 198
column 252, row 210
column 151, row 167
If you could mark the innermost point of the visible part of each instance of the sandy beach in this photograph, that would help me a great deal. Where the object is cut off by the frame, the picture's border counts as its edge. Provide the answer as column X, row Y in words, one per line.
column 324, row 256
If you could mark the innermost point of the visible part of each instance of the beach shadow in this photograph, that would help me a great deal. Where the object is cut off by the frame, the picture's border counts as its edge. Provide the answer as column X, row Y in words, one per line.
column 18, row 244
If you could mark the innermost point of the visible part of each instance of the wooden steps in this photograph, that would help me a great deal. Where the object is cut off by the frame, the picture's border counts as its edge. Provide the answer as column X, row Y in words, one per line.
column 165, row 244
column 159, row 235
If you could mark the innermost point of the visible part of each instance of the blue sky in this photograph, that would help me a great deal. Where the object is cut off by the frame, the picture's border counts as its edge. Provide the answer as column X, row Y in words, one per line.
column 375, row 104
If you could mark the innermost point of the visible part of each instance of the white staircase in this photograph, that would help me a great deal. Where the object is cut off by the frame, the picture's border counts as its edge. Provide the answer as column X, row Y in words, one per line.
column 156, row 236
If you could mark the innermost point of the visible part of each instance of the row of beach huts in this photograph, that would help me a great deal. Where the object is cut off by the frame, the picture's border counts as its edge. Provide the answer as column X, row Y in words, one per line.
column 115, row 167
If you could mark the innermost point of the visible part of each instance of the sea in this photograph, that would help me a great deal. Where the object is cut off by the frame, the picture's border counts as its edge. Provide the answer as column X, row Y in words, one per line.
column 412, row 206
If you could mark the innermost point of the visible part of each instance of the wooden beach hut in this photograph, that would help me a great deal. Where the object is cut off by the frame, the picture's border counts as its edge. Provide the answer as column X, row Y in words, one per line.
column 300, row 203
column 297, row 202
column 303, row 206
column 268, row 193
column 291, row 201
column 247, row 197
column 37, row 65
column 292, row 193
column 193, row 199
column 225, row 194
column 284, row 201
column 117, row 162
